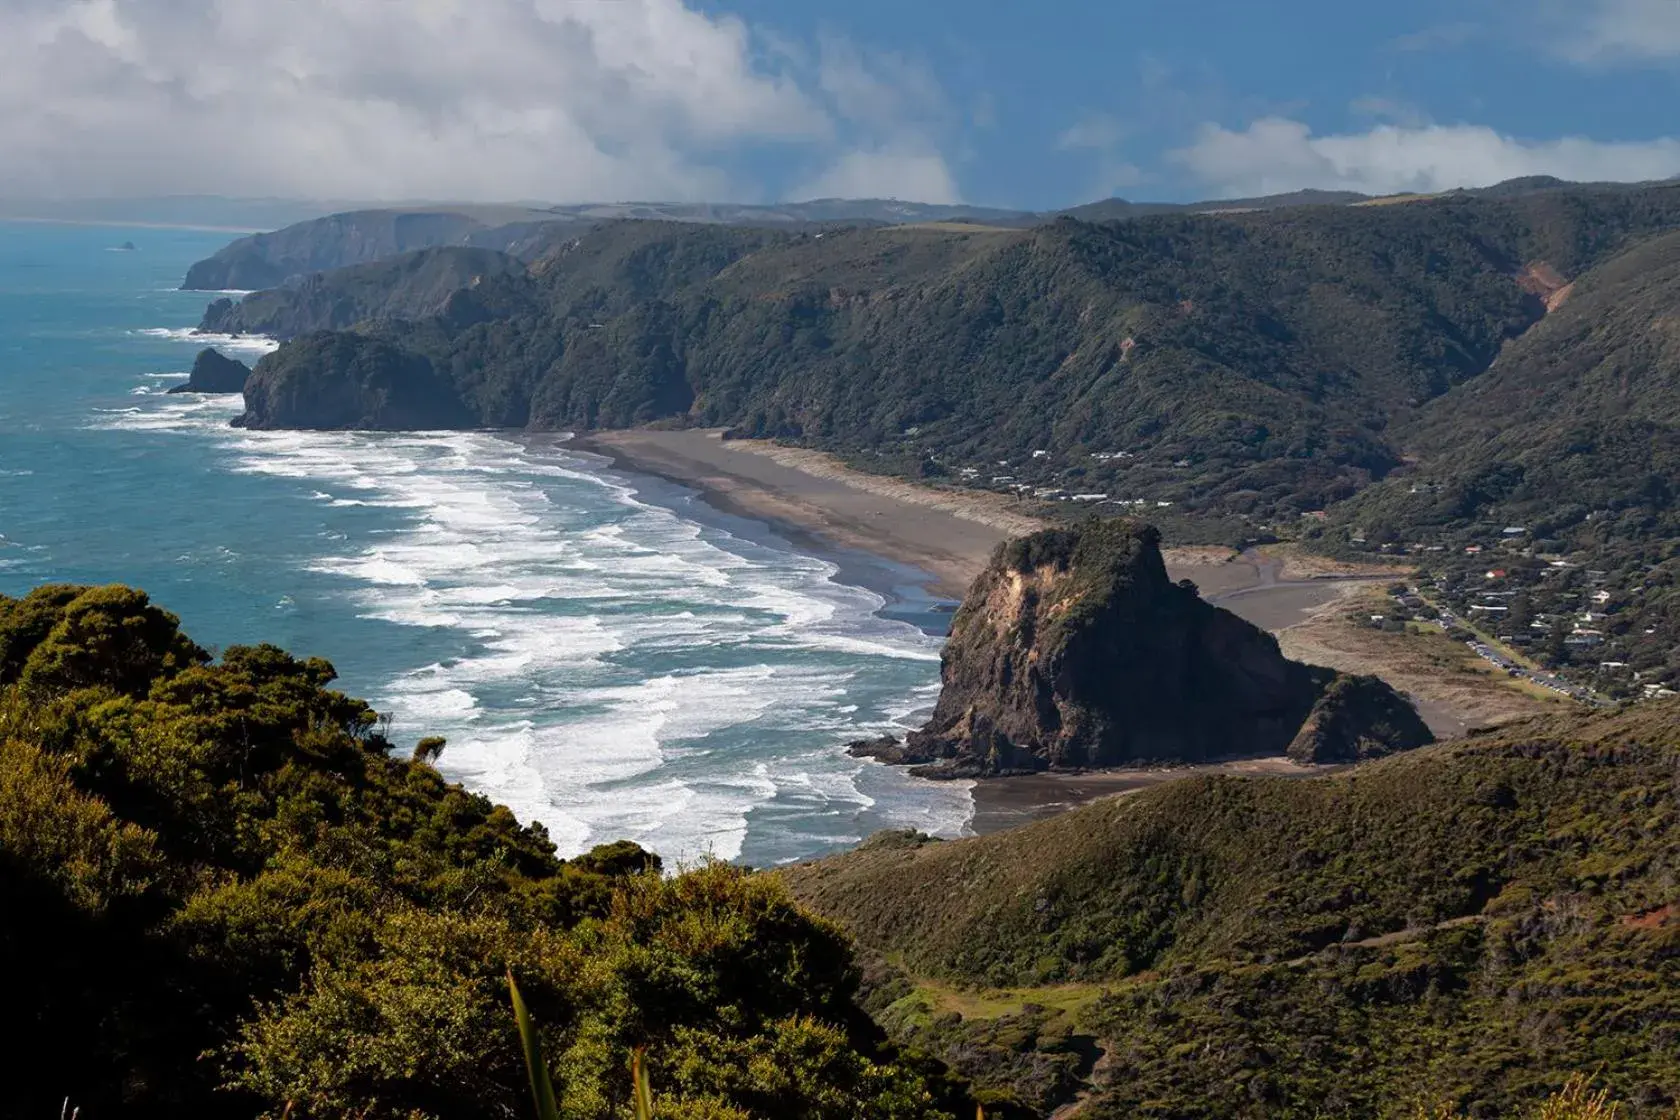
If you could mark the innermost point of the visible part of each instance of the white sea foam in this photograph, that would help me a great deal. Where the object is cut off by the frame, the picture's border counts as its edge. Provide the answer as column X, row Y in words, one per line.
column 619, row 670
column 236, row 343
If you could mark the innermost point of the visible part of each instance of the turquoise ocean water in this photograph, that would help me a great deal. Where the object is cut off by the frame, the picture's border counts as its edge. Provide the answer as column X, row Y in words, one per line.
column 605, row 653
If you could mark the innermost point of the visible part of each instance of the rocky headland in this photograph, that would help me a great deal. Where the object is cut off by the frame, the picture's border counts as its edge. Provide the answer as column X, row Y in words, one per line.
column 1074, row 650
column 347, row 381
column 215, row 372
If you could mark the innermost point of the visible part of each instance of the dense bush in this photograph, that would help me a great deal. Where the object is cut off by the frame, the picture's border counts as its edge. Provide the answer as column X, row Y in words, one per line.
column 1470, row 922
column 222, row 895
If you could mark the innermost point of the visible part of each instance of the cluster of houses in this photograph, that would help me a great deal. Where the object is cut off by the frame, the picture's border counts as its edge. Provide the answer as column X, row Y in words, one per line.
column 1028, row 489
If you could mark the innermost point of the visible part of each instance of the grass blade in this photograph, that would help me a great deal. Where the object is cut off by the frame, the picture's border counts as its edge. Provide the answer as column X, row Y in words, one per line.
column 643, row 1088
column 542, row 1088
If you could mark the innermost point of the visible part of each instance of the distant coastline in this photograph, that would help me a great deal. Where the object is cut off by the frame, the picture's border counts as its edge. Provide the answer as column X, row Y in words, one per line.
column 115, row 223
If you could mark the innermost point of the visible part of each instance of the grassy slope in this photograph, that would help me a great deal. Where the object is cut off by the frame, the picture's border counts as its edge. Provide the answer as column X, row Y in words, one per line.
column 1470, row 920
column 1270, row 350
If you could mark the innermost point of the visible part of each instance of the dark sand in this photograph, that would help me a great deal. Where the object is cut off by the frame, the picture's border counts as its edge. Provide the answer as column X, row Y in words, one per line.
column 947, row 534
column 944, row 537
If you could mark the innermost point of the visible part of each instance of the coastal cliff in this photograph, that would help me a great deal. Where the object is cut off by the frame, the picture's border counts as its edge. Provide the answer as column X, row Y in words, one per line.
column 215, row 372
column 408, row 286
column 348, row 381
column 1075, row 650
column 265, row 260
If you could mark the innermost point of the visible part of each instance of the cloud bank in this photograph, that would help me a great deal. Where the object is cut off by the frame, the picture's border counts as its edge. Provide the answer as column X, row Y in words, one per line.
column 560, row 100
column 1275, row 155
column 1610, row 31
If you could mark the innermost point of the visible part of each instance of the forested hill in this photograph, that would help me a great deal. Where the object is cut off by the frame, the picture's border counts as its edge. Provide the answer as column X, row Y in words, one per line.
column 1546, row 493
column 1463, row 923
column 1252, row 363
column 409, row 285
column 223, row 893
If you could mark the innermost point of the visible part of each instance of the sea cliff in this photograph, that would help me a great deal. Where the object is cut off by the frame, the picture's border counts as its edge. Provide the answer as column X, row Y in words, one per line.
column 1074, row 650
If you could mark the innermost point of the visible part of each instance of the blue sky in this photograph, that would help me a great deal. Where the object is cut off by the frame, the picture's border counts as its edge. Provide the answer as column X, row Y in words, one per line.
column 1007, row 104
column 1062, row 101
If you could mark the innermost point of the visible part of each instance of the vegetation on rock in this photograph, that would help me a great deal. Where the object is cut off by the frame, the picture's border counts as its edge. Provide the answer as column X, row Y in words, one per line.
column 214, row 372
column 408, row 286
column 1468, row 923
column 1073, row 649
column 222, row 894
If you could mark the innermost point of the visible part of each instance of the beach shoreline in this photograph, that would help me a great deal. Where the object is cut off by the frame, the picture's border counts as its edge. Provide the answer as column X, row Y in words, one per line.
column 920, row 546
column 810, row 498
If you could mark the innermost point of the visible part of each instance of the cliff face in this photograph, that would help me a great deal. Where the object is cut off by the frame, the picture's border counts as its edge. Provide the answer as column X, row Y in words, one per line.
column 265, row 260
column 332, row 380
column 408, row 286
column 214, row 372
column 1074, row 649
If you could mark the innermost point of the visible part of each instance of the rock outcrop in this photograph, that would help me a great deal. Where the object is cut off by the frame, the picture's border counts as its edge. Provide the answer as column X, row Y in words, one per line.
column 1074, row 650
column 348, row 381
column 1357, row 718
column 215, row 372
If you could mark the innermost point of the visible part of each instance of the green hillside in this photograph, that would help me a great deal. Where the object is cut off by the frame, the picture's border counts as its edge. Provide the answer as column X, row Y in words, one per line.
column 1572, row 437
column 1463, row 923
column 223, row 894
column 1253, row 363
column 409, row 286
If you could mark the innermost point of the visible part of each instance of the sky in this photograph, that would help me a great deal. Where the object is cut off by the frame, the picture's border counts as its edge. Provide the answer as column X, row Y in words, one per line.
column 985, row 102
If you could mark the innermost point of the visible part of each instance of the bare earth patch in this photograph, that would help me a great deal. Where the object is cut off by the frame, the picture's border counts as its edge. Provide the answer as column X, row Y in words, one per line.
column 1298, row 564
column 1454, row 689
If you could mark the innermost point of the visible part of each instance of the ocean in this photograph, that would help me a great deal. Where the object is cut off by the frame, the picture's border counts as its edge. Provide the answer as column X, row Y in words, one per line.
column 604, row 652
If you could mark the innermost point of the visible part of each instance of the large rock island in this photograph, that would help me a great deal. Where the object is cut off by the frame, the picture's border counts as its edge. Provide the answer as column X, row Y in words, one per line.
column 1075, row 650
column 215, row 372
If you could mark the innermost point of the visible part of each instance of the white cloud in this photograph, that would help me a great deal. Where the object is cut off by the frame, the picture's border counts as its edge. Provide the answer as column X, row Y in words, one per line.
column 911, row 176
column 493, row 99
column 1275, row 155
column 1102, row 136
column 1095, row 131
column 897, row 101
column 1621, row 30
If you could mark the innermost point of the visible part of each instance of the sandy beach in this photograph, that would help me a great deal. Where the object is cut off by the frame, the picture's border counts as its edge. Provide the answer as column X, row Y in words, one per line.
column 816, row 501
column 947, row 534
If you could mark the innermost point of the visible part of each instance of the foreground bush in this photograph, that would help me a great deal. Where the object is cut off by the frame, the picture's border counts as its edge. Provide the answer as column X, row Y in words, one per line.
column 221, row 895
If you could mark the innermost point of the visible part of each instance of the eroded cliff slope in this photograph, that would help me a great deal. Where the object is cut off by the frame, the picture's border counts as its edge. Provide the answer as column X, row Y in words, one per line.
column 1074, row 649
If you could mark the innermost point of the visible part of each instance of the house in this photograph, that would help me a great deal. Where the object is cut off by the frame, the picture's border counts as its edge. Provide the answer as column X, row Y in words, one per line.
column 1496, row 573
column 1090, row 497
column 1601, row 596
column 1039, row 454
column 1513, row 531
column 1472, row 549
